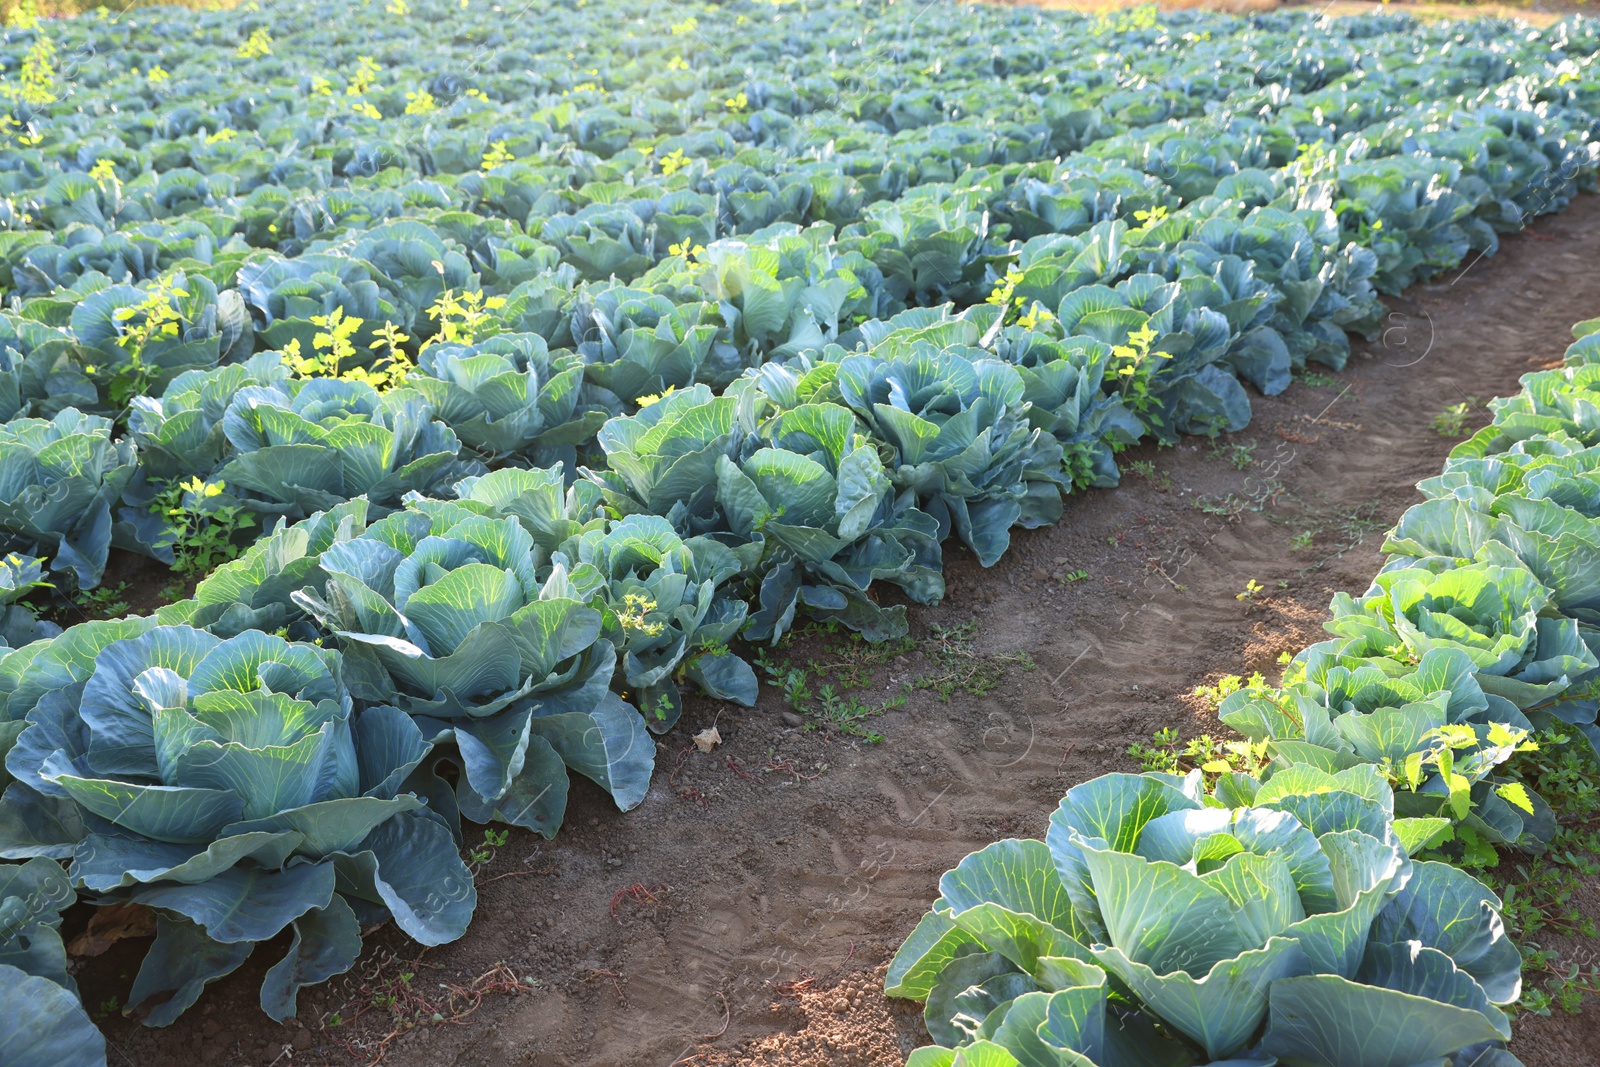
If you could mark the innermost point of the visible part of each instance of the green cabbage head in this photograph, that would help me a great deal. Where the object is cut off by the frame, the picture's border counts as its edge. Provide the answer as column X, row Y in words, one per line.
column 1157, row 924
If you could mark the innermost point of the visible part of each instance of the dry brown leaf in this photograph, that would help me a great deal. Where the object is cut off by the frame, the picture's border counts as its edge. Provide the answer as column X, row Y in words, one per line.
column 707, row 739
column 109, row 925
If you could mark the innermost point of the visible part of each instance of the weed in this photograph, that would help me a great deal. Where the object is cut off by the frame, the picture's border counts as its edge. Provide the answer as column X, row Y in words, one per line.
column 157, row 317
column 1262, row 493
column 828, row 706
column 1301, row 541
column 484, row 854
column 1144, row 468
column 333, row 352
column 1238, row 456
column 847, row 714
column 1315, row 379
column 393, row 363
column 257, row 45
column 639, row 893
column 1453, row 420
column 821, row 689
column 103, row 602
column 200, row 529
column 634, row 614
column 465, row 317
column 389, row 988
column 958, row 667
column 1133, row 366
column 1349, row 526
column 1168, row 755
column 1223, row 507
column 1149, row 220
column 1541, row 893
column 1357, row 522
column 497, row 155
column 1226, row 686
column 1027, row 316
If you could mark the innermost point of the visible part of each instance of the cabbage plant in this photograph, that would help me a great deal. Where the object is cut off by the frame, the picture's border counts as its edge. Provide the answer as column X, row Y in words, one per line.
column 1497, row 616
column 255, row 591
column 444, row 612
column 668, row 612
column 46, row 1026
column 284, row 295
column 233, row 787
column 961, row 442
column 1564, row 401
column 32, row 897
column 305, row 446
column 1156, row 923
column 180, row 433
column 37, row 374
column 1063, row 385
column 539, row 499
column 507, row 396
column 1429, row 727
column 828, row 521
column 1517, row 493
column 132, row 340
column 19, row 576
column 59, row 479
column 637, row 344
column 1179, row 366
column 663, row 460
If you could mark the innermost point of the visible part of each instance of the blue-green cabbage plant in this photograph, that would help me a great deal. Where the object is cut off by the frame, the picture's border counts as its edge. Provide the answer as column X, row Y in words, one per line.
column 210, row 326
column 962, row 445
column 44, row 1025
column 1291, row 927
column 1063, row 386
column 19, row 576
column 455, row 616
column 37, row 375
column 32, row 897
column 233, row 787
column 663, row 460
column 668, row 611
column 305, row 446
column 255, row 591
column 1427, row 725
column 508, row 396
column 180, row 433
column 1499, row 616
column 59, row 479
column 1188, row 389
column 824, row 512
column 636, row 344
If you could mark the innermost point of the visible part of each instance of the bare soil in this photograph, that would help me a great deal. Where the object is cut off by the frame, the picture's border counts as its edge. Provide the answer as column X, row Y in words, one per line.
column 741, row 915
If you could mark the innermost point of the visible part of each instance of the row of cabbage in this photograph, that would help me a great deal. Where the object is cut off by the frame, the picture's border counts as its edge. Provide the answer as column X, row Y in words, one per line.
column 1276, row 914
column 422, row 639
column 1279, row 915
